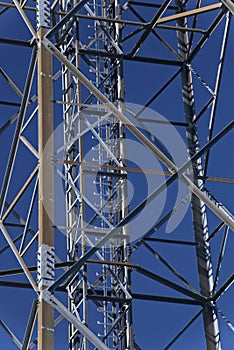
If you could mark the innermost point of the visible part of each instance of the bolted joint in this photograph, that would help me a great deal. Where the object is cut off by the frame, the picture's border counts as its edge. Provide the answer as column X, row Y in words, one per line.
column 43, row 14
column 45, row 265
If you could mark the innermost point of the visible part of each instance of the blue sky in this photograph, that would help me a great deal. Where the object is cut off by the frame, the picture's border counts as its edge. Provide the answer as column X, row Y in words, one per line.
column 155, row 323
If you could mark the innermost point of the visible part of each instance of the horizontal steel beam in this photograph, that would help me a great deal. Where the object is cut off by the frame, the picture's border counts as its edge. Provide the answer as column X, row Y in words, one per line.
column 171, row 241
column 207, row 35
column 18, row 257
column 9, row 103
column 150, row 26
column 163, row 299
column 15, row 142
column 190, row 13
column 131, row 58
column 66, row 18
column 60, row 265
column 68, row 275
column 15, row 42
column 148, row 4
column 13, row 284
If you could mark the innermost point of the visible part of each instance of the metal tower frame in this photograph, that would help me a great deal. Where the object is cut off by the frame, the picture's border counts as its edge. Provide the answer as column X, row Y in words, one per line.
column 67, row 215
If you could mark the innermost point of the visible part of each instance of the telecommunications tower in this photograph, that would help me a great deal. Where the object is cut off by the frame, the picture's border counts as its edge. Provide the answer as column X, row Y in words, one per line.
column 116, row 174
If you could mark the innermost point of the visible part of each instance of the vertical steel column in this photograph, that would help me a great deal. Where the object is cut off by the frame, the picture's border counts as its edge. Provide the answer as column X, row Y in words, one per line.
column 46, row 184
column 74, row 205
column 124, row 249
column 199, row 217
column 72, row 216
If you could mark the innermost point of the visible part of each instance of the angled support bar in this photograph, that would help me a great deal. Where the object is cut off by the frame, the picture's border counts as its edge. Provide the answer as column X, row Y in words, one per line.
column 18, row 257
column 20, row 193
column 68, row 275
column 229, row 4
column 75, row 268
column 168, row 266
column 224, row 215
column 50, row 299
column 11, row 334
column 25, row 18
column 30, row 325
column 183, row 330
column 171, row 285
column 65, row 19
column 139, row 135
column 217, row 85
column 224, row 288
column 152, row 24
column 15, row 142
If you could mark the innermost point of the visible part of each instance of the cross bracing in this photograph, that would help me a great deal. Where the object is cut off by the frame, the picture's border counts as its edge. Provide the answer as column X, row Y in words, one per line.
column 116, row 219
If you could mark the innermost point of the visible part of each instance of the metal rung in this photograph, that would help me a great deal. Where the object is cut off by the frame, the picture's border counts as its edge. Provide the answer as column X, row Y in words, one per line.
column 73, row 288
column 74, row 334
column 76, row 157
column 71, row 231
column 67, row 109
column 69, row 189
column 100, row 183
column 94, row 5
column 76, row 178
column 72, row 205
column 74, row 228
column 97, row 160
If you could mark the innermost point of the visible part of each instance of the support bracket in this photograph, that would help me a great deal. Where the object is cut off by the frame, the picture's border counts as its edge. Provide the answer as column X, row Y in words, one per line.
column 45, row 265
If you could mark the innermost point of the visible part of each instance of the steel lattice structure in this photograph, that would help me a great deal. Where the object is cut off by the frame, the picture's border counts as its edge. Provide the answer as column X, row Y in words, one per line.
column 75, row 273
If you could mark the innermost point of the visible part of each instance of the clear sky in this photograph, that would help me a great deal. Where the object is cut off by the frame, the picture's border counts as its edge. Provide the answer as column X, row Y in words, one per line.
column 155, row 324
